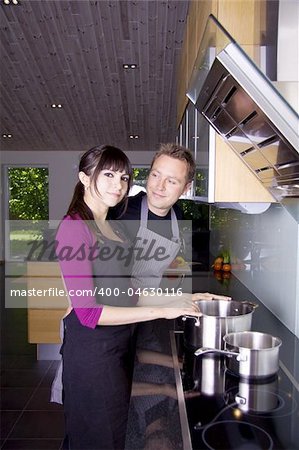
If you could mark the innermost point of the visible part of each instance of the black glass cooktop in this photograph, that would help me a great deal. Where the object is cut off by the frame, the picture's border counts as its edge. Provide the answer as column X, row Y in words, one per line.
column 227, row 412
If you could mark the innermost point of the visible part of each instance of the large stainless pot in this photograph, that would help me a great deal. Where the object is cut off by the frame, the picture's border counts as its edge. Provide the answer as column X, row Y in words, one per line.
column 250, row 354
column 219, row 317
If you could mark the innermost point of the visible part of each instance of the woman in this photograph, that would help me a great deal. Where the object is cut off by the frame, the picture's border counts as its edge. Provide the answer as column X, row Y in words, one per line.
column 97, row 348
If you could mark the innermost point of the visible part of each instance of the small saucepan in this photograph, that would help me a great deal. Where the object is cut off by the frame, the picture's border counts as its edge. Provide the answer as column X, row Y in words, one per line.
column 249, row 354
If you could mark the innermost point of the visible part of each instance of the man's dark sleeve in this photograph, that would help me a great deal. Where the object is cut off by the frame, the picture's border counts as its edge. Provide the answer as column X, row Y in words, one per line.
column 178, row 212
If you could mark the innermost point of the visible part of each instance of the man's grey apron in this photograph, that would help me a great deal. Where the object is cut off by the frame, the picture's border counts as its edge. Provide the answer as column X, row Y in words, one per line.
column 148, row 272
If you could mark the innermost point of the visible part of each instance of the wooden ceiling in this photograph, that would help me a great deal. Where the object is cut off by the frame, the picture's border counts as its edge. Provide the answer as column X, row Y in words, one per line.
column 72, row 53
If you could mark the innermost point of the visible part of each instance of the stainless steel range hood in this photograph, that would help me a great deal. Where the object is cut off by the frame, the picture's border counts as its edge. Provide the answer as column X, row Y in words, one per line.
column 248, row 112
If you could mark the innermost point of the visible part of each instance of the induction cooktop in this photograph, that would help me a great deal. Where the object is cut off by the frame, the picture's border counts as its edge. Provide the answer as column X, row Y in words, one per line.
column 225, row 412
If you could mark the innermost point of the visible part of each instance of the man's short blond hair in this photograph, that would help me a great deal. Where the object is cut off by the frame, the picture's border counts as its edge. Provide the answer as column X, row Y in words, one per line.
column 177, row 152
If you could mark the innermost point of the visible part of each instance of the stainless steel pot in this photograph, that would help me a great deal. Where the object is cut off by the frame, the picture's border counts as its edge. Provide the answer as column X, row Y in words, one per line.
column 219, row 317
column 250, row 354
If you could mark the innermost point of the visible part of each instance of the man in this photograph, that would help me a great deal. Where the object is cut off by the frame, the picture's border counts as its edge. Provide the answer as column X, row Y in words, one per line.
column 151, row 218
column 171, row 174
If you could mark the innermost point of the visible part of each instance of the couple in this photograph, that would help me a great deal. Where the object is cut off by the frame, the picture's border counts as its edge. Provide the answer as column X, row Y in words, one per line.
column 98, row 345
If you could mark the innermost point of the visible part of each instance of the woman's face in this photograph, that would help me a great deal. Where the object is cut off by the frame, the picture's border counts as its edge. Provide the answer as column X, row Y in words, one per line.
column 112, row 186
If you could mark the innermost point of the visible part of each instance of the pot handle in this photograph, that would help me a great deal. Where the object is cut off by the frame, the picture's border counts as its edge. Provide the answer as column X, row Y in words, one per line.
column 197, row 323
column 203, row 350
column 240, row 400
column 247, row 302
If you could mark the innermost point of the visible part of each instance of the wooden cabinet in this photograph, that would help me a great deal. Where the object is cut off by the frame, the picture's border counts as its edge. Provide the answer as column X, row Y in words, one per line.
column 43, row 326
column 45, row 310
column 198, row 14
column 244, row 20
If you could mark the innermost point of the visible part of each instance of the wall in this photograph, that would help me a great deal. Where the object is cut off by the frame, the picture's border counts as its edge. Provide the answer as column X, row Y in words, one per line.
column 63, row 168
column 288, row 41
column 268, row 244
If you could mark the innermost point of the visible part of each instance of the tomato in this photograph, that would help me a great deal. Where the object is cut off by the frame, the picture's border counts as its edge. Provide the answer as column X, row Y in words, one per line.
column 217, row 266
column 226, row 267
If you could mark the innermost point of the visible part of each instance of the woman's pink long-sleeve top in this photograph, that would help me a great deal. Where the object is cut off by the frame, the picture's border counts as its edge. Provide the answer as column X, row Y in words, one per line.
column 74, row 239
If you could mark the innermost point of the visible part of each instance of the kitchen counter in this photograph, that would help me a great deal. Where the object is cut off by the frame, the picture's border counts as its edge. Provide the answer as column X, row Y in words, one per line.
column 155, row 419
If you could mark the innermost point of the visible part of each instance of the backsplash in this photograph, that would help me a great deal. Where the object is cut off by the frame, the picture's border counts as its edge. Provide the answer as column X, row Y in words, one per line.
column 264, row 251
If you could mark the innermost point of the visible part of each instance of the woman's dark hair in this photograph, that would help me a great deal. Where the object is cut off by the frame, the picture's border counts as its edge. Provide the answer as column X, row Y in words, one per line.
column 91, row 163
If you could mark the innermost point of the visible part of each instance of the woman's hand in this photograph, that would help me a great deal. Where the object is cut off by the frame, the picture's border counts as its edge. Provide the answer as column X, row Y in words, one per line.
column 182, row 306
column 208, row 296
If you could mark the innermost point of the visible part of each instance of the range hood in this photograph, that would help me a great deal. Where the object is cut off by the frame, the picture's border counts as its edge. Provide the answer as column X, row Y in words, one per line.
column 248, row 112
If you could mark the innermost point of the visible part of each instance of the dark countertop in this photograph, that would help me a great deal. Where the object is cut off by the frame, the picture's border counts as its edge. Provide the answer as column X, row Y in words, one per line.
column 154, row 420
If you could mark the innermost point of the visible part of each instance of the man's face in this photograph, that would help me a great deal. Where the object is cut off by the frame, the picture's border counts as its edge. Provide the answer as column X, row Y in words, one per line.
column 167, row 181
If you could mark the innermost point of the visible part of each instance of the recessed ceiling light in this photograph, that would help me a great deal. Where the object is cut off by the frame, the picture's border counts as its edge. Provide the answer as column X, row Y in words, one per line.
column 8, row 2
column 130, row 66
column 134, row 136
column 7, row 135
column 56, row 105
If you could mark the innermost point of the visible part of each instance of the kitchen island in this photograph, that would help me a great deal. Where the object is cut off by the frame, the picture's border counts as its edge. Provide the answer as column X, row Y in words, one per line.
column 170, row 391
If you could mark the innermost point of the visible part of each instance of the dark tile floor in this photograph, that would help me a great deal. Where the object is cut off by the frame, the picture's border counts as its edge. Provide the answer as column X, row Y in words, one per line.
column 28, row 419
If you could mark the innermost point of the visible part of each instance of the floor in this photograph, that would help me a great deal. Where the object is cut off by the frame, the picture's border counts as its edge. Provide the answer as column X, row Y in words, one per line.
column 28, row 419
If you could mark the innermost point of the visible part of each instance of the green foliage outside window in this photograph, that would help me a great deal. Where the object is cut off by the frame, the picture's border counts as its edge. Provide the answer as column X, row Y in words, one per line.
column 197, row 212
column 28, row 193
column 140, row 175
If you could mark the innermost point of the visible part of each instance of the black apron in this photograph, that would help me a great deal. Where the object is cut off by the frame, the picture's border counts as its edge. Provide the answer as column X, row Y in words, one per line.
column 97, row 376
column 97, row 369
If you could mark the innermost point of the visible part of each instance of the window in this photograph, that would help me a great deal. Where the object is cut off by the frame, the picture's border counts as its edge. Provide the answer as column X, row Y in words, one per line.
column 140, row 175
column 26, row 207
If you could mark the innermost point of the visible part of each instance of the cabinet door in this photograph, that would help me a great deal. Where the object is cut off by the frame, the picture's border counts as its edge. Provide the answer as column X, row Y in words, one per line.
column 196, row 134
column 191, row 139
column 184, row 130
column 192, row 136
column 205, row 160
